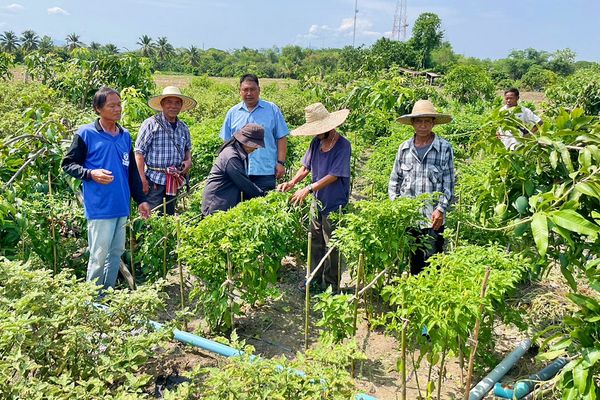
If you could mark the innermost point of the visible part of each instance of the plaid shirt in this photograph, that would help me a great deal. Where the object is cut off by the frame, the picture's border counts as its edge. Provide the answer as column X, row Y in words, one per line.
column 161, row 146
column 411, row 177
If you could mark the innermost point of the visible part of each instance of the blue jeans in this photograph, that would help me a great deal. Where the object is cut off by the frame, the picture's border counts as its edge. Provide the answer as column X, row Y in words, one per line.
column 106, row 239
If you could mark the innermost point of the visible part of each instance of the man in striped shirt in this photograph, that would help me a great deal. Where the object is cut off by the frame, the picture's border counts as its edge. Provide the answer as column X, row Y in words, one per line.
column 425, row 164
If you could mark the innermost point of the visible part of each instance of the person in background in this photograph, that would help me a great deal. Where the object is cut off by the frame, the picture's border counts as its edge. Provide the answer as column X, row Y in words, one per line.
column 511, row 103
column 425, row 164
column 267, row 164
column 228, row 179
column 328, row 161
column 163, row 149
column 100, row 155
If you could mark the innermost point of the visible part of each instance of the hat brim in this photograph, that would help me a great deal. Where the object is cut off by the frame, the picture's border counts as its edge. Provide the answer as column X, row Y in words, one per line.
column 332, row 121
column 438, row 119
column 249, row 142
column 188, row 102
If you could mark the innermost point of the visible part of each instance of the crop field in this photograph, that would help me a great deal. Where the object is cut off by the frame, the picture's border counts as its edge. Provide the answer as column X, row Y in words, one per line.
column 520, row 260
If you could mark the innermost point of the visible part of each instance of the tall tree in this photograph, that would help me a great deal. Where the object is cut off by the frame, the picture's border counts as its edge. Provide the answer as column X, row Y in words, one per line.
column 29, row 41
column 74, row 41
column 9, row 42
column 147, row 46
column 110, row 48
column 164, row 49
column 46, row 44
column 95, row 46
column 192, row 56
column 427, row 35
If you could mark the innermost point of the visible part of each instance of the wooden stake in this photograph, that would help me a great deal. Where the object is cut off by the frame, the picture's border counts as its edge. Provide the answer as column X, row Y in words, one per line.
column 166, row 232
column 476, row 335
column 131, row 258
column 230, row 287
column 52, row 230
column 307, row 291
column 403, row 358
column 359, row 272
column 181, row 281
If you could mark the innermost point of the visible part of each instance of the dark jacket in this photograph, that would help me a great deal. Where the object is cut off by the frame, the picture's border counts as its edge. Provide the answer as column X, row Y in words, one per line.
column 228, row 179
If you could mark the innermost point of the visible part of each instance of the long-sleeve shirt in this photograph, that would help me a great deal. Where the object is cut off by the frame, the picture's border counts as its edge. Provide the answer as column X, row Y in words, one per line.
column 92, row 148
column 227, row 180
column 412, row 177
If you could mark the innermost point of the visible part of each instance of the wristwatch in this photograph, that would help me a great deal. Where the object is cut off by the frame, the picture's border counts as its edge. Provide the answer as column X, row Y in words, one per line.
column 281, row 162
column 310, row 188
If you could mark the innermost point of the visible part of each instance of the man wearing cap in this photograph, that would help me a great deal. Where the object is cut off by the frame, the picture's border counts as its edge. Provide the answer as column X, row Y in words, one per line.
column 328, row 161
column 228, row 178
column 163, row 148
column 425, row 164
column 266, row 164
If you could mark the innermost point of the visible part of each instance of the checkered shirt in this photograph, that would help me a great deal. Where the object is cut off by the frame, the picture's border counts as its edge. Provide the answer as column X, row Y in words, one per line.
column 161, row 146
column 411, row 177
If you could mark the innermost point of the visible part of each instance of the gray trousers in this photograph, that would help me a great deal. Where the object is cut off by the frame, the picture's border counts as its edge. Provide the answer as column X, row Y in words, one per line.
column 155, row 198
column 321, row 229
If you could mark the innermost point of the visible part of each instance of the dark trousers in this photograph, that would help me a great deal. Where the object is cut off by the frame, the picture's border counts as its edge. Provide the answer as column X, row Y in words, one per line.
column 265, row 182
column 321, row 229
column 155, row 198
column 429, row 242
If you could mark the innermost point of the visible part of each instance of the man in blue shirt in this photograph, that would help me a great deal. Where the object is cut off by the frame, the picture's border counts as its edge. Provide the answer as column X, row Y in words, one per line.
column 266, row 164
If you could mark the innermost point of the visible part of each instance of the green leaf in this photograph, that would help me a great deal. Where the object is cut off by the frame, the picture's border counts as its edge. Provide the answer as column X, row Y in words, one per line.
column 539, row 229
column 589, row 189
column 554, row 159
column 569, row 277
column 573, row 221
column 580, row 375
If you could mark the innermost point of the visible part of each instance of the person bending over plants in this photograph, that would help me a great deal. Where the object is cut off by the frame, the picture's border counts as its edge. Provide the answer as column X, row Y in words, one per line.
column 425, row 164
column 328, row 161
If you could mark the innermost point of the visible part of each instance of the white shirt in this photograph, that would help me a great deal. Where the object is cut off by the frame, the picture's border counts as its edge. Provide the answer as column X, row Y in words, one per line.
column 527, row 116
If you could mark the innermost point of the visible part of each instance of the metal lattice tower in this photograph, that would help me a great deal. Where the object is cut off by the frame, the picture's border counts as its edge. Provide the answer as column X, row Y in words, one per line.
column 400, row 21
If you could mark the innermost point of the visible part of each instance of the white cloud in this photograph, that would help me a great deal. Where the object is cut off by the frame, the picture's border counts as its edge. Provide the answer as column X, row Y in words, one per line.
column 345, row 30
column 57, row 10
column 14, row 7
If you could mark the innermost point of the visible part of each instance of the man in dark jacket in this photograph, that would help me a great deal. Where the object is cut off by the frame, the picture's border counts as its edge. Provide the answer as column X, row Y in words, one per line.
column 228, row 179
column 101, row 155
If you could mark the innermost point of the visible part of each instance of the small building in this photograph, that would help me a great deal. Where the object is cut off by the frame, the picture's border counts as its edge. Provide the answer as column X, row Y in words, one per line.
column 430, row 76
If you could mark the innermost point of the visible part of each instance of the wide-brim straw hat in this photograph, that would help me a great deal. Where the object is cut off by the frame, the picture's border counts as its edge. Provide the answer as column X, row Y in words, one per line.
column 171, row 91
column 319, row 120
column 425, row 109
column 252, row 135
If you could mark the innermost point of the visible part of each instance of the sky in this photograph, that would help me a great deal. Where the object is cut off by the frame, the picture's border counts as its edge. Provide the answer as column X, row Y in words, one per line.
column 476, row 28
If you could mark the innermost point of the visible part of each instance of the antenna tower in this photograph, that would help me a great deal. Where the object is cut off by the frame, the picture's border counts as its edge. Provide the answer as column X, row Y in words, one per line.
column 400, row 21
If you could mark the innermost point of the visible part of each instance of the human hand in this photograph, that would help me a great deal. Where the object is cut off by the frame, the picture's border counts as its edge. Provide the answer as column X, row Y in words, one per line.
column 437, row 219
column 145, row 186
column 285, row 186
column 102, row 176
column 299, row 196
column 279, row 171
column 187, row 166
column 144, row 210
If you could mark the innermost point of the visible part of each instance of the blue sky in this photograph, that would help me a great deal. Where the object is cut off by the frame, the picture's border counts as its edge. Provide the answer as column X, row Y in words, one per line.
column 479, row 28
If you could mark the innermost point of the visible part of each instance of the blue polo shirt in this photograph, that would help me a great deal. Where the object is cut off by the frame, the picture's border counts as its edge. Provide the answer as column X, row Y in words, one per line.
column 266, row 114
column 111, row 153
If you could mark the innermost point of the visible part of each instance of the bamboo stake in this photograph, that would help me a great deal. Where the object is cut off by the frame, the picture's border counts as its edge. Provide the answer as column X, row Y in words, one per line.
column 441, row 373
column 166, row 232
column 403, row 359
column 416, row 372
column 181, row 281
column 461, row 362
column 131, row 260
column 230, row 287
column 53, row 231
column 307, row 292
column 476, row 335
column 361, row 260
column 339, row 269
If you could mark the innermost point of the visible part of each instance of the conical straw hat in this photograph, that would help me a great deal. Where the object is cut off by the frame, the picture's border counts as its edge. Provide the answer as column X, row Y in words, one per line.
column 319, row 120
column 425, row 109
column 171, row 91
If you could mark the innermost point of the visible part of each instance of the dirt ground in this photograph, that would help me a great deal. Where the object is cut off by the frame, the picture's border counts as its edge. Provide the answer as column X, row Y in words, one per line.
column 183, row 81
column 276, row 328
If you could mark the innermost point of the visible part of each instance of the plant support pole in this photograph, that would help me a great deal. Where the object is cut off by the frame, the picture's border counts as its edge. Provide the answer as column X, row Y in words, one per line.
column 131, row 260
column 307, row 291
column 166, row 232
column 54, row 253
column 181, row 281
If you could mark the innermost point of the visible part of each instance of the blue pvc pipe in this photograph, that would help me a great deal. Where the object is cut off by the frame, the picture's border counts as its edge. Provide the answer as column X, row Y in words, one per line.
column 501, row 369
column 524, row 387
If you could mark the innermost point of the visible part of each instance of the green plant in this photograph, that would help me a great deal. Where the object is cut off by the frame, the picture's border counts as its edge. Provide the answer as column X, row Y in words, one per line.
column 469, row 84
column 580, row 90
column 337, row 319
column 6, row 63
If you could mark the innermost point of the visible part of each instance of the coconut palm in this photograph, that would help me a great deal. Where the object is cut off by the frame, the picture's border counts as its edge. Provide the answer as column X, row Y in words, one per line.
column 95, row 46
column 74, row 41
column 9, row 42
column 193, row 56
column 110, row 48
column 164, row 49
column 46, row 44
column 146, row 46
column 29, row 41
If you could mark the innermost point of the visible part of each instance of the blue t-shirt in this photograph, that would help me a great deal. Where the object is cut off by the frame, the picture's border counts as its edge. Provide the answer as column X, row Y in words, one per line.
column 335, row 162
column 111, row 153
column 268, row 115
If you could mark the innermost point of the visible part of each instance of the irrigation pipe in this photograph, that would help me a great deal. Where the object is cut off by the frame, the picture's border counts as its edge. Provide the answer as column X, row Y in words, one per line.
column 497, row 373
column 523, row 387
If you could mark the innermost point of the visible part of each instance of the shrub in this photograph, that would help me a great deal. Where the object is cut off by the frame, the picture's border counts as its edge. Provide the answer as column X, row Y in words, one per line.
column 469, row 84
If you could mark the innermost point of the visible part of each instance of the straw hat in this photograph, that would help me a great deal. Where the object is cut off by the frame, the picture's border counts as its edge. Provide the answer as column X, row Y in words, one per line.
column 425, row 109
column 171, row 91
column 319, row 120
column 252, row 135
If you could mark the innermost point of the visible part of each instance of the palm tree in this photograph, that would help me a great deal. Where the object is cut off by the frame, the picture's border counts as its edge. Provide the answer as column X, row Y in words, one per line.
column 9, row 42
column 74, row 41
column 46, row 44
column 95, row 46
column 193, row 56
column 164, row 49
column 146, row 46
column 110, row 48
column 29, row 41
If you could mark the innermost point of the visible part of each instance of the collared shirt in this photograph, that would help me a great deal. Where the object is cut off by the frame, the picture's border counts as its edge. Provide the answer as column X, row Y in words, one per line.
column 528, row 118
column 268, row 115
column 162, row 146
column 411, row 177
